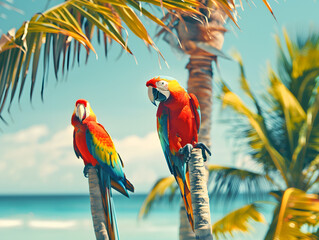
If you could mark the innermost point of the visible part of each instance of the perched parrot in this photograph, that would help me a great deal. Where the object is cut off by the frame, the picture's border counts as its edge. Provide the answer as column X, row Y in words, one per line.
column 178, row 122
column 94, row 145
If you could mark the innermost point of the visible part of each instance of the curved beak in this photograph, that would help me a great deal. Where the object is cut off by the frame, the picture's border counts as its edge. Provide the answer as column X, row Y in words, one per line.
column 151, row 95
column 80, row 112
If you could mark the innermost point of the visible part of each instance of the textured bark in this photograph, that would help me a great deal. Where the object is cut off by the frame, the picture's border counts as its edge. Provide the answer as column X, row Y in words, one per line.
column 209, row 31
column 200, row 83
column 97, row 210
column 200, row 200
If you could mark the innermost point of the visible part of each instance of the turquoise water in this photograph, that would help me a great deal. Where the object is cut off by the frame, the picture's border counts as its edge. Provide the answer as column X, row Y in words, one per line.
column 68, row 217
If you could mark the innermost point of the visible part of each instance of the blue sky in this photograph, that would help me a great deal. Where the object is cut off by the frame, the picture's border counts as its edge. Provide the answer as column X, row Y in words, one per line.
column 36, row 147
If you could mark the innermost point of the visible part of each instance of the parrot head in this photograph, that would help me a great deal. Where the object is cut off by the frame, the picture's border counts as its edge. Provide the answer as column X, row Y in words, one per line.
column 83, row 110
column 160, row 88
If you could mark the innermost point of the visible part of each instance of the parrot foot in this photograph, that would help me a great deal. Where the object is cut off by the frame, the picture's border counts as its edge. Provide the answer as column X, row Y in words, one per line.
column 186, row 151
column 204, row 150
column 86, row 169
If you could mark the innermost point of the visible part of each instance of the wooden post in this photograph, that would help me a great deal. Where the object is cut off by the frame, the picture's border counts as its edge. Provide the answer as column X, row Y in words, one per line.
column 97, row 210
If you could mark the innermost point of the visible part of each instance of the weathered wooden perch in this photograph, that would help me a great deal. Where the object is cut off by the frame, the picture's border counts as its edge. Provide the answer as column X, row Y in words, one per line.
column 97, row 210
column 200, row 200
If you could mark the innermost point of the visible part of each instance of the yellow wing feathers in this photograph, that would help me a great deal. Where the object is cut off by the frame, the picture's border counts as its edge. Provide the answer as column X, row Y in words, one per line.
column 103, row 150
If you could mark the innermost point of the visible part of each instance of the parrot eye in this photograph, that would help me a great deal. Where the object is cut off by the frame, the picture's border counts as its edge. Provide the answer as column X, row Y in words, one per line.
column 162, row 85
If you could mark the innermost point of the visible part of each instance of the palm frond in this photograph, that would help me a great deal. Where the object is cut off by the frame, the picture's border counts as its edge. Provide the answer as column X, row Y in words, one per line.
column 258, row 134
column 298, row 69
column 237, row 221
column 284, row 127
column 307, row 149
column 228, row 182
column 64, row 29
column 297, row 210
column 288, row 109
column 163, row 187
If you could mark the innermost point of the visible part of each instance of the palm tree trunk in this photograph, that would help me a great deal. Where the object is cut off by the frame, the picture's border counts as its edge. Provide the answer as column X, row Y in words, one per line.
column 200, row 83
column 97, row 210
column 200, row 200
column 200, row 76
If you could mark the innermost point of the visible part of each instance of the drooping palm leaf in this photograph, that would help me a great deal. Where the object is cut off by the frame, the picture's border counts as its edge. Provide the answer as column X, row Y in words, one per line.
column 64, row 29
column 166, row 188
column 229, row 182
column 163, row 187
column 71, row 24
column 237, row 221
column 258, row 133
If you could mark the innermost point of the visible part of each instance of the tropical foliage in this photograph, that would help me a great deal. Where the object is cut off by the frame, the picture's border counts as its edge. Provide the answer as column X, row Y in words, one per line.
column 59, row 33
column 279, row 130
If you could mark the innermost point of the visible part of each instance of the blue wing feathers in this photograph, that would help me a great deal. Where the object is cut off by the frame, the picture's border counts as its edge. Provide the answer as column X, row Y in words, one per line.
column 163, row 131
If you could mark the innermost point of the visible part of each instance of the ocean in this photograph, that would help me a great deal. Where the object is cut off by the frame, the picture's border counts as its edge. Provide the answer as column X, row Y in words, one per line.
column 58, row 217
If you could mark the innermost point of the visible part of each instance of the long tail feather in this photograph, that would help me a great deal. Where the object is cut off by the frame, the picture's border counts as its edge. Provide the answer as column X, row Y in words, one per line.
column 109, row 211
column 122, row 187
column 129, row 186
column 119, row 187
column 186, row 195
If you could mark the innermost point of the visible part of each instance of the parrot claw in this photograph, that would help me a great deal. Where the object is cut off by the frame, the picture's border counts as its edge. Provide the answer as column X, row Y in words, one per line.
column 186, row 151
column 204, row 150
column 86, row 169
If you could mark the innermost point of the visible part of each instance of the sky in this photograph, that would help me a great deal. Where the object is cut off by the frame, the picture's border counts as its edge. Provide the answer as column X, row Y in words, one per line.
column 36, row 147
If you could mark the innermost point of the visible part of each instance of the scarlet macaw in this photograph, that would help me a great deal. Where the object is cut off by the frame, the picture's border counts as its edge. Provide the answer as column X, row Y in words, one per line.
column 94, row 145
column 178, row 122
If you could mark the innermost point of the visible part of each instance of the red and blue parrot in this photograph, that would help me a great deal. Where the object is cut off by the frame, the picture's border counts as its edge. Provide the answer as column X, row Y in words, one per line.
column 178, row 122
column 94, row 145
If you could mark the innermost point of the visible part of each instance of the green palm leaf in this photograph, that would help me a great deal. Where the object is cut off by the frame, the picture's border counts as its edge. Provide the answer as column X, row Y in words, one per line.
column 72, row 23
column 166, row 188
column 230, row 182
column 258, row 132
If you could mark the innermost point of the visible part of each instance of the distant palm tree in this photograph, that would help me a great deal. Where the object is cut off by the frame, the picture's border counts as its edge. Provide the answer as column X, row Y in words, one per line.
column 201, row 38
column 282, row 136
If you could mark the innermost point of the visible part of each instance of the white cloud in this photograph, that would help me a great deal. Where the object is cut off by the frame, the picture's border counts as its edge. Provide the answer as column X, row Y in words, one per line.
column 134, row 147
column 37, row 159
column 31, row 134
column 143, row 159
